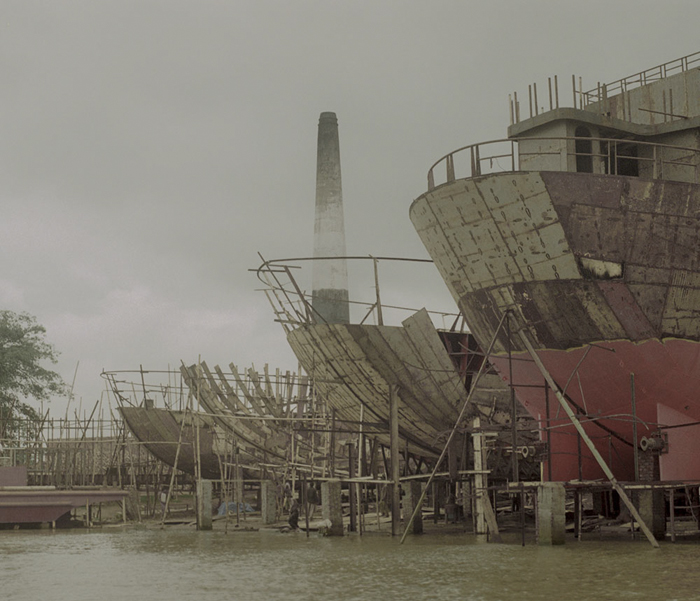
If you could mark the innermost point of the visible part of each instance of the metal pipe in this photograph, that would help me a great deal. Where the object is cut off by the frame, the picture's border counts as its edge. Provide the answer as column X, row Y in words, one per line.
column 512, row 110
column 634, row 429
column 672, row 509
column 380, row 318
column 534, row 89
column 513, row 408
column 549, row 432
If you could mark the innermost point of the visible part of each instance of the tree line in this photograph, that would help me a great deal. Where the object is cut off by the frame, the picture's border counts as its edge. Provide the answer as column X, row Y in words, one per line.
column 24, row 373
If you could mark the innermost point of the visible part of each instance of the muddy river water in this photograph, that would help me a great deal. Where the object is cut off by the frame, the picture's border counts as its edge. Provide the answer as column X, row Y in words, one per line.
column 170, row 565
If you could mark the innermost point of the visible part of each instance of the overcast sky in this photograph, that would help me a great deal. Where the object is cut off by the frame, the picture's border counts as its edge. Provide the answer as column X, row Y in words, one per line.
column 150, row 149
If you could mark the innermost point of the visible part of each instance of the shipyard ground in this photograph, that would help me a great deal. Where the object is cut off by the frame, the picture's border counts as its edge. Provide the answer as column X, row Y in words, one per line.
column 594, row 528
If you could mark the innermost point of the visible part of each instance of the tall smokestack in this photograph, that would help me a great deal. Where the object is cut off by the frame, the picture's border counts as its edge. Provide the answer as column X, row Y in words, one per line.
column 330, row 278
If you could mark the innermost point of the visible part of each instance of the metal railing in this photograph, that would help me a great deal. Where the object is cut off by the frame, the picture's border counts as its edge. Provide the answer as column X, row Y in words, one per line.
column 600, row 94
column 643, row 78
column 656, row 161
column 293, row 306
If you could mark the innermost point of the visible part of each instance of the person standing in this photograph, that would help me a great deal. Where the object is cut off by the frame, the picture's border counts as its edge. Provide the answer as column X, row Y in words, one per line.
column 312, row 498
column 294, row 515
column 163, row 501
column 288, row 496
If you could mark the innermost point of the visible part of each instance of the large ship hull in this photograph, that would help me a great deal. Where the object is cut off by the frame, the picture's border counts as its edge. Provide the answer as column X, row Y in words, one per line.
column 603, row 274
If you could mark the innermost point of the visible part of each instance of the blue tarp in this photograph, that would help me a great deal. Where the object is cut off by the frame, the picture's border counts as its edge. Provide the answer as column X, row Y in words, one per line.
column 243, row 507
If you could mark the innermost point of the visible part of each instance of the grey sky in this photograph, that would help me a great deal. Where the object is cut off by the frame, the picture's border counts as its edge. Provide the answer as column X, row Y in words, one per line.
column 149, row 150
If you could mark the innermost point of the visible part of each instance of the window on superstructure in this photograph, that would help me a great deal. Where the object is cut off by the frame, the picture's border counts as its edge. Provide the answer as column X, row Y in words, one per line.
column 627, row 163
column 619, row 158
column 584, row 150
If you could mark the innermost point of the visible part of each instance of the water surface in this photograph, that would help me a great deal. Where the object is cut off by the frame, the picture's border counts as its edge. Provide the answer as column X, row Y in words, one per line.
column 170, row 565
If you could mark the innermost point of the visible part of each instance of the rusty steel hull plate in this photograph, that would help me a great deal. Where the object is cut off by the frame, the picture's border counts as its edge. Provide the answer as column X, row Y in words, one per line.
column 579, row 259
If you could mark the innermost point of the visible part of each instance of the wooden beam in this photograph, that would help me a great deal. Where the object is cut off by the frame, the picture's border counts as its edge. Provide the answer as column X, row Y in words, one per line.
column 394, row 452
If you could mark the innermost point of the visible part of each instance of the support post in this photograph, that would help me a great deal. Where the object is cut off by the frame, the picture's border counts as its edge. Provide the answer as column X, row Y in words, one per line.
column 394, row 451
column 672, row 510
column 480, row 480
column 352, row 527
column 331, row 507
column 268, row 501
column 551, row 513
column 578, row 513
column 513, row 408
column 410, row 503
column 651, row 506
column 240, row 497
column 635, row 441
column 204, row 495
column 436, row 503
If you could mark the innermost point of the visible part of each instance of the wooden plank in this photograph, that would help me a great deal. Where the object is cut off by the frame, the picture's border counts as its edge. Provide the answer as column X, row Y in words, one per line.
column 442, row 375
column 230, row 398
column 270, row 404
column 257, row 407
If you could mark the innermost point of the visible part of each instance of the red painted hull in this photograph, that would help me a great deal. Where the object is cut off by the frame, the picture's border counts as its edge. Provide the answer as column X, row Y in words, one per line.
column 667, row 381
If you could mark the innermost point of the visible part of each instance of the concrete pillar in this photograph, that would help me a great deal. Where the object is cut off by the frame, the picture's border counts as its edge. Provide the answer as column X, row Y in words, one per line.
column 239, row 485
column 466, row 495
column 268, row 501
column 204, row 498
column 329, row 278
column 413, row 491
column 331, row 507
column 551, row 513
column 651, row 504
column 652, row 509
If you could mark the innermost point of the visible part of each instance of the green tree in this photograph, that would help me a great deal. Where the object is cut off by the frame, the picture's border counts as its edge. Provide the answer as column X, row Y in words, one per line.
column 24, row 353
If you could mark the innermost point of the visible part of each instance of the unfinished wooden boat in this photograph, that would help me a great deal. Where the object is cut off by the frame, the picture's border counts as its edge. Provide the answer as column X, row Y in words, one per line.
column 277, row 424
column 163, row 431
column 356, row 366
column 236, row 419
